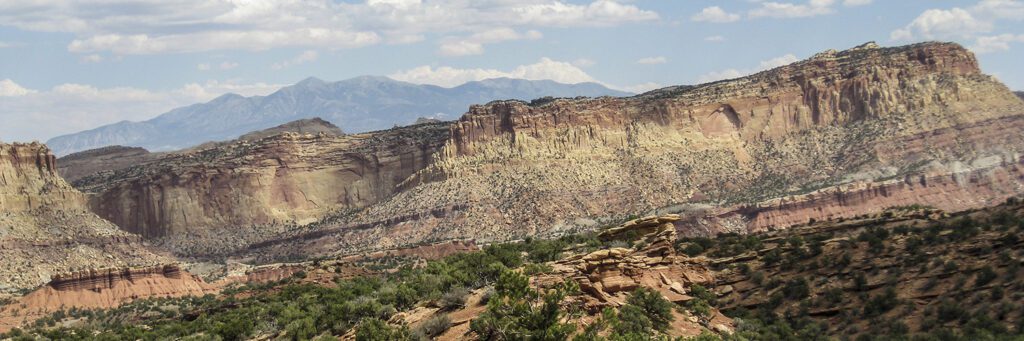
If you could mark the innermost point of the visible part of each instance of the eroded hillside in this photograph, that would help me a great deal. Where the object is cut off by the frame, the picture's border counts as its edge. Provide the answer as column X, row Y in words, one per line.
column 46, row 227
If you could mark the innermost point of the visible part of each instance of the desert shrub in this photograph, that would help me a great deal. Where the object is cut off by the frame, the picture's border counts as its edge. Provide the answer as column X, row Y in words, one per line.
column 984, row 276
column 881, row 304
column 453, row 299
column 435, row 326
column 796, row 289
column 516, row 311
column 534, row 269
column 657, row 309
column 372, row 329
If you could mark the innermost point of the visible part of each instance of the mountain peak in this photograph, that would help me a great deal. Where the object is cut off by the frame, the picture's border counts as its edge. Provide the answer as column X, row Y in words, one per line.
column 358, row 104
column 311, row 81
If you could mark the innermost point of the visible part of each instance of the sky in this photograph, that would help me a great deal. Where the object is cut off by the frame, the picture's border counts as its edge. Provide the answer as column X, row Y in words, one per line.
column 72, row 65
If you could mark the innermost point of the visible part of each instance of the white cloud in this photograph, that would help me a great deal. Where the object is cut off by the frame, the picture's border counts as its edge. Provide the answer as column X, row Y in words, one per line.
column 70, row 107
column 999, row 9
column 173, row 26
column 223, row 66
column 736, row 73
column 218, row 40
column 584, row 62
column 955, row 23
column 92, row 58
column 714, row 38
column 652, row 60
column 965, row 24
column 597, row 13
column 474, row 44
column 642, row 87
column 546, row 68
column 720, row 75
column 715, row 14
column 996, row 43
column 777, row 62
column 9, row 88
column 304, row 57
column 854, row 3
column 784, row 10
column 460, row 48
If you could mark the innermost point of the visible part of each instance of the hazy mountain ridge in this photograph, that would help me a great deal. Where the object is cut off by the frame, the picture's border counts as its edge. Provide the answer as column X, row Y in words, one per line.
column 356, row 105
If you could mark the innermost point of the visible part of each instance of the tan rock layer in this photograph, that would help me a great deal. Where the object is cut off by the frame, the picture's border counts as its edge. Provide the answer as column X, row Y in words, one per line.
column 283, row 179
column 46, row 227
column 29, row 180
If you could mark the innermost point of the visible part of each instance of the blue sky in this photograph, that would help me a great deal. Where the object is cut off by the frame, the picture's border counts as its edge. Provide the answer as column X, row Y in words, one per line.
column 67, row 66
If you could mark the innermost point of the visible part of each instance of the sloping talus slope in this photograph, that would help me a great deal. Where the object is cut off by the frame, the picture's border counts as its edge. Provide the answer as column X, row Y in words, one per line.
column 510, row 169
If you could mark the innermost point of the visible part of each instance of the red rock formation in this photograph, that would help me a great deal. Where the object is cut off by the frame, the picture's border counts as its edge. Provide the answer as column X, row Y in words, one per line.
column 948, row 192
column 106, row 288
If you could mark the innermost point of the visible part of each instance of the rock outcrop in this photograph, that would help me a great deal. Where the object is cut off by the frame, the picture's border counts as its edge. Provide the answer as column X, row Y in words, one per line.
column 103, row 288
column 46, row 227
column 510, row 169
column 607, row 277
column 313, row 126
column 610, row 275
column 79, row 165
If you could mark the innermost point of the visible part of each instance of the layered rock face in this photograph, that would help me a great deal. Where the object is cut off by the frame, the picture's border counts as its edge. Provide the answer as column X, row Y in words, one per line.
column 46, row 227
column 104, row 288
column 511, row 169
column 607, row 277
column 29, row 181
column 280, row 180
column 867, row 114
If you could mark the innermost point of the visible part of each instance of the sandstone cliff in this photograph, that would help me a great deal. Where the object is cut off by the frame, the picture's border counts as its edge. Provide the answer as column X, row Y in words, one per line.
column 511, row 169
column 867, row 114
column 46, row 227
column 278, row 180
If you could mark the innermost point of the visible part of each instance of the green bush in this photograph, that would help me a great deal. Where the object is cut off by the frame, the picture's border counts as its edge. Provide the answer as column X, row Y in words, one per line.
column 372, row 329
column 657, row 309
column 453, row 299
column 435, row 326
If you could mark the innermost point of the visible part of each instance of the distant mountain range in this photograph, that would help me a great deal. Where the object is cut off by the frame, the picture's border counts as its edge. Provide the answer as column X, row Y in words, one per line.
column 359, row 104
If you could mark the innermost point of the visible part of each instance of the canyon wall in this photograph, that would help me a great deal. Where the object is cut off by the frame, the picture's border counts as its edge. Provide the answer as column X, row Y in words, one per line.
column 46, row 227
column 863, row 115
column 284, row 179
column 511, row 169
